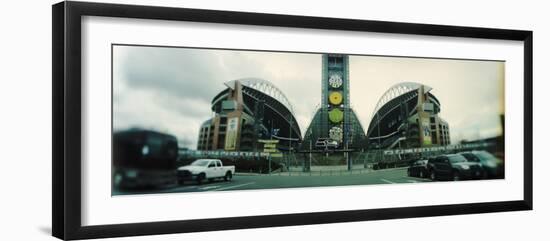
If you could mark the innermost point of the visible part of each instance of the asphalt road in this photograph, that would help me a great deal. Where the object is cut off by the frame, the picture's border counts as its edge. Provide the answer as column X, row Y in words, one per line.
column 254, row 181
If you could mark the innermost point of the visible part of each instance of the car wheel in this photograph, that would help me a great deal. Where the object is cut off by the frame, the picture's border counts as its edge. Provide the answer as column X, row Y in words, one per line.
column 456, row 176
column 200, row 178
column 117, row 179
column 228, row 176
column 484, row 175
column 432, row 176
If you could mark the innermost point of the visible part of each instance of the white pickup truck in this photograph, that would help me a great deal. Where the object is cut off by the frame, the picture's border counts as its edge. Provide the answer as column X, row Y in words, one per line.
column 205, row 169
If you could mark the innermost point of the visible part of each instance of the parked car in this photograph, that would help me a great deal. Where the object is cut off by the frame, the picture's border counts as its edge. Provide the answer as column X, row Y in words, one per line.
column 492, row 166
column 453, row 167
column 418, row 169
column 205, row 169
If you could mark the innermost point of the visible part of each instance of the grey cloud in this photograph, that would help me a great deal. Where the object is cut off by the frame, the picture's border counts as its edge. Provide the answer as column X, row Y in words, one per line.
column 184, row 73
column 193, row 108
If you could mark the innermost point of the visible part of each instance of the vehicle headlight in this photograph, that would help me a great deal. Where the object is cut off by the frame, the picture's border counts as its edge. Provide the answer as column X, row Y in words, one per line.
column 491, row 163
column 118, row 179
column 145, row 150
column 465, row 167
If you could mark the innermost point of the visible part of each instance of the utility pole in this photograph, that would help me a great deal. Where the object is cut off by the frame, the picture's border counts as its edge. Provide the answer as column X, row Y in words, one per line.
column 309, row 155
column 271, row 138
column 379, row 138
column 346, row 153
column 271, row 131
column 378, row 125
column 289, row 140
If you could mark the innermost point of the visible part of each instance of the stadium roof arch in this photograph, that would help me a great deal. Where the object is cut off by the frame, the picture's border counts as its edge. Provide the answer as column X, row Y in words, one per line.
column 265, row 87
column 404, row 92
column 276, row 104
column 396, row 91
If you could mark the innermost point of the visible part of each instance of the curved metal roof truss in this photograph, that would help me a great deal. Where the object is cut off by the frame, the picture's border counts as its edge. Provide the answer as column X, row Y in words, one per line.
column 265, row 87
column 396, row 91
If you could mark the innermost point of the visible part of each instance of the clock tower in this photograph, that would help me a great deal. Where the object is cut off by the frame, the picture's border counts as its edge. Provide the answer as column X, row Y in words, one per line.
column 335, row 102
column 334, row 120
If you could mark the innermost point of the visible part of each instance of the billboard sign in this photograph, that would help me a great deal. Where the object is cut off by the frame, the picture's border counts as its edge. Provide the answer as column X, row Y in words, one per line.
column 426, row 132
column 231, row 133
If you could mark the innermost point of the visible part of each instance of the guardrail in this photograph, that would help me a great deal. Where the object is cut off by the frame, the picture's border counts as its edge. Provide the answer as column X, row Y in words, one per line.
column 362, row 160
column 223, row 154
column 438, row 148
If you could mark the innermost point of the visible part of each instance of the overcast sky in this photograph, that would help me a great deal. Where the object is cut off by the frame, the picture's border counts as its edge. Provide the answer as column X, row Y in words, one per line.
column 170, row 89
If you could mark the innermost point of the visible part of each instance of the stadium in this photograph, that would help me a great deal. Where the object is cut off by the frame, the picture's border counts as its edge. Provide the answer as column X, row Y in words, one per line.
column 249, row 110
column 406, row 116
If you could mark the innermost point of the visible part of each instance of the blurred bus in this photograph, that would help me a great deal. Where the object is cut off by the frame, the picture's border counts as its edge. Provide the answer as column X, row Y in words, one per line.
column 143, row 159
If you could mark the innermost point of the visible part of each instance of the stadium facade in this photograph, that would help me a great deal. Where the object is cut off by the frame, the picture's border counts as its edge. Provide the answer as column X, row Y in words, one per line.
column 252, row 109
column 407, row 116
column 246, row 111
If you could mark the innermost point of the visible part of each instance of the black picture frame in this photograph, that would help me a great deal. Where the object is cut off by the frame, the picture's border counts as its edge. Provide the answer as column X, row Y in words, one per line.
column 66, row 127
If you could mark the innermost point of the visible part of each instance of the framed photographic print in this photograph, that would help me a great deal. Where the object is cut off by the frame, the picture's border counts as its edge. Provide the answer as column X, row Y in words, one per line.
column 217, row 120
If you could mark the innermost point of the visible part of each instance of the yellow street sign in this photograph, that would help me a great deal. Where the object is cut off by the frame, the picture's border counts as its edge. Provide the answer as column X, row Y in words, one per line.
column 269, row 141
column 271, row 150
column 270, row 145
column 276, row 154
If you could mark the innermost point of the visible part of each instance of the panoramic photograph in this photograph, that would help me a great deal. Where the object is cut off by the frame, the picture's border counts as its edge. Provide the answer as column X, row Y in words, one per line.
column 205, row 120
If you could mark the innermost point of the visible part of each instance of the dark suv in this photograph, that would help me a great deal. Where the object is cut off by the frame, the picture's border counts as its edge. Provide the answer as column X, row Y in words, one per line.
column 418, row 169
column 492, row 166
column 453, row 167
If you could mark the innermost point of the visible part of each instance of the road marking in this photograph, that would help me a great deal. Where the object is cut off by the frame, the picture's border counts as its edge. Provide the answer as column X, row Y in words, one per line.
column 386, row 181
column 230, row 187
column 208, row 187
column 186, row 187
column 390, row 169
